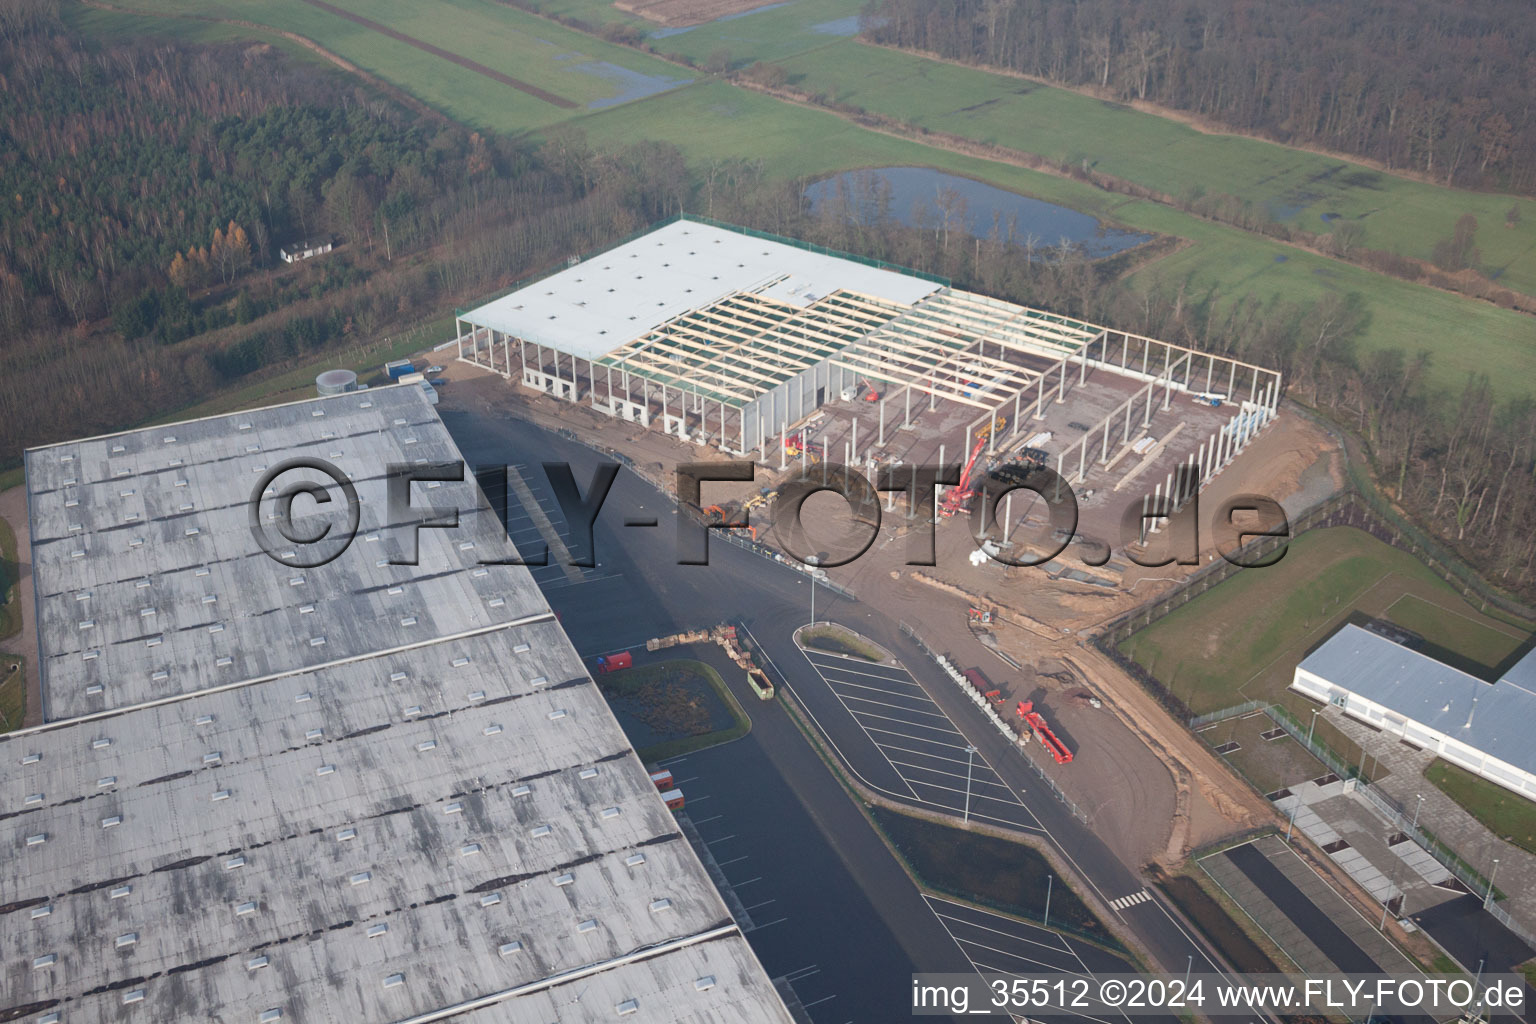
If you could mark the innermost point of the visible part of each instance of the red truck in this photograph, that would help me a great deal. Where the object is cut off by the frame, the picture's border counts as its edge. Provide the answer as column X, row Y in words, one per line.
column 614, row 662
column 1043, row 733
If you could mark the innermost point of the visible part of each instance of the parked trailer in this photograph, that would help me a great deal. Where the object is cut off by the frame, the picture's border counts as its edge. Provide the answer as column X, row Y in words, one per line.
column 984, row 686
column 662, row 780
column 1048, row 739
column 398, row 368
column 674, row 799
column 614, row 662
column 978, row 679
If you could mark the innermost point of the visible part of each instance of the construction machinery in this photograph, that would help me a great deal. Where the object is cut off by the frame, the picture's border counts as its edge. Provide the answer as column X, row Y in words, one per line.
column 762, row 497
column 958, row 497
column 979, row 616
column 996, row 423
column 1043, row 733
column 797, row 446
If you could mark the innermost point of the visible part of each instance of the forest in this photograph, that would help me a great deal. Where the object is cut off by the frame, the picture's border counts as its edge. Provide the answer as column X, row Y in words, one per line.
column 1444, row 88
column 149, row 187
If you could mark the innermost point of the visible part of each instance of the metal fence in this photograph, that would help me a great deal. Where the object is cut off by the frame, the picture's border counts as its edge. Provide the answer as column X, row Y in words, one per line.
column 1247, row 707
column 943, row 663
column 1398, row 817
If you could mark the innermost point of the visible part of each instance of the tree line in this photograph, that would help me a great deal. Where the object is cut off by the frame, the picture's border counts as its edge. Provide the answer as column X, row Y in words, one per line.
column 1461, row 463
column 1446, row 88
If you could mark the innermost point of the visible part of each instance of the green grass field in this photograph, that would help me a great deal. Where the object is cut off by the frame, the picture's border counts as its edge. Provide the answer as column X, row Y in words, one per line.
column 713, row 119
column 525, row 47
column 1506, row 814
column 1294, row 186
column 1242, row 639
column 13, row 691
column 10, row 606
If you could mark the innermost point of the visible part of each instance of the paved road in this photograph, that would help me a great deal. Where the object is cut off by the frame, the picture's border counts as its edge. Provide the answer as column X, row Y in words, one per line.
column 640, row 591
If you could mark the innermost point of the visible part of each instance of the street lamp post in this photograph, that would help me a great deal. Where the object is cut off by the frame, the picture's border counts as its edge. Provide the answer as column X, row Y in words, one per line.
column 1417, row 807
column 812, row 561
column 1310, row 728
column 1046, row 922
column 970, row 757
column 1491, row 875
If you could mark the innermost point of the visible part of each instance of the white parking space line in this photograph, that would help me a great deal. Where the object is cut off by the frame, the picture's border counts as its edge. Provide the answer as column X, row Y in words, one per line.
column 983, row 967
column 917, row 698
column 1011, row 935
column 945, row 730
column 893, row 707
column 893, row 737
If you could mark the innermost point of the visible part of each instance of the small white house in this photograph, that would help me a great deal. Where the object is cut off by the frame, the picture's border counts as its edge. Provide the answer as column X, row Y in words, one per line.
column 304, row 250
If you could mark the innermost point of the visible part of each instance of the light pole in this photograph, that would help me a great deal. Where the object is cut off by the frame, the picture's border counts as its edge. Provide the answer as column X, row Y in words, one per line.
column 1310, row 728
column 811, row 561
column 970, row 757
column 1417, row 807
column 1491, row 875
column 1189, row 969
column 1046, row 922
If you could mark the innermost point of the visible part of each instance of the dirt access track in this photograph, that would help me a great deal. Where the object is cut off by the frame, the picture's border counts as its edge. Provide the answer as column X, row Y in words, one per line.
column 436, row 51
column 677, row 13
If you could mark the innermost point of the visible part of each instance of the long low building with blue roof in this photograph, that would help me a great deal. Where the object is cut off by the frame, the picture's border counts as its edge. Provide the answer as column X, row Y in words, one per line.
column 1487, row 728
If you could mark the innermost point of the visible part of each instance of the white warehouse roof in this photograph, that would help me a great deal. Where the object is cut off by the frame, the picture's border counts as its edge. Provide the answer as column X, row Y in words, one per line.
column 1495, row 718
column 595, row 306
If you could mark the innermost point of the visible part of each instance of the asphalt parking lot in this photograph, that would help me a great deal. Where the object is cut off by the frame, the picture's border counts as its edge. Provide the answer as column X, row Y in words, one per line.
column 924, row 750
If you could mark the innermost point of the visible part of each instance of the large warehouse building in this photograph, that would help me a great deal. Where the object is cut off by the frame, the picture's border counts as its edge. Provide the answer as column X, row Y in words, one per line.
column 732, row 338
column 375, row 789
column 1485, row 728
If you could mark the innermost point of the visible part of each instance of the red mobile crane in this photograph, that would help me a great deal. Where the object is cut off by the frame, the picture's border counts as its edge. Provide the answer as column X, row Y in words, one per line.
column 959, row 496
column 1048, row 739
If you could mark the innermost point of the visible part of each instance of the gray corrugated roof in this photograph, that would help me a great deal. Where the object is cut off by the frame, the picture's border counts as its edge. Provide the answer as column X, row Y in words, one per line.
column 294, row 831
column 148, row 573
column 1496, row 718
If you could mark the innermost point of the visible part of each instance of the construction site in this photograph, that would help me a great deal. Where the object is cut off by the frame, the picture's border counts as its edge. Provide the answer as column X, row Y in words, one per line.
column 749, row 346
column 699, row 342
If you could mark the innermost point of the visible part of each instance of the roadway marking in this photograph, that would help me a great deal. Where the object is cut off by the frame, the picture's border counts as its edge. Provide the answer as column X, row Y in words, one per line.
column 911, row 775
column 1131, row 900
column 985, row 968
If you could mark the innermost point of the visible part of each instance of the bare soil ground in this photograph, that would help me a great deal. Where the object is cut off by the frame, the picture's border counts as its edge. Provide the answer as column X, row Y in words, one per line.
column 1152, row 790
column 676, row 13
